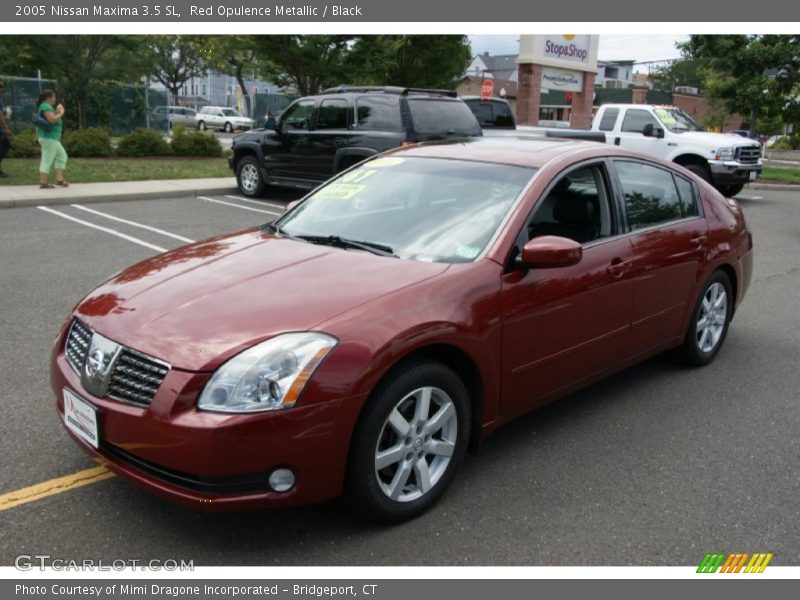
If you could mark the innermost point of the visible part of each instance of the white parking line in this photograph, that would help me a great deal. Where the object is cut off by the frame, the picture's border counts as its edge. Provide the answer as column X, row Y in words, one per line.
column 261, row 202
column 105, row 229
column 268, row 212
column 134, row 223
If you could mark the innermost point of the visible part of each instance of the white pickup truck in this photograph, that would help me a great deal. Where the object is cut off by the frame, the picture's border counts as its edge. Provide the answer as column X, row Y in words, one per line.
column 727, row 161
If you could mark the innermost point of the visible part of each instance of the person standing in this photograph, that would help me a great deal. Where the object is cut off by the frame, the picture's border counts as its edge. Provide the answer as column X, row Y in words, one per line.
column 53, row 153
column 5, row 130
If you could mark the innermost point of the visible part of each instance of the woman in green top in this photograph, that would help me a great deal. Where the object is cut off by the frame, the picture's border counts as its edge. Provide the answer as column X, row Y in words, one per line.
column 53, row 152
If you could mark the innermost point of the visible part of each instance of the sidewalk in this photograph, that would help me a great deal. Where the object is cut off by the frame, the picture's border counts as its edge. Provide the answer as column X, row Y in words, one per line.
column 12, row 196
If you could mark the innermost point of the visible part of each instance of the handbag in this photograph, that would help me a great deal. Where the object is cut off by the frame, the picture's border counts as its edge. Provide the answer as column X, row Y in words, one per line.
column 40, row 121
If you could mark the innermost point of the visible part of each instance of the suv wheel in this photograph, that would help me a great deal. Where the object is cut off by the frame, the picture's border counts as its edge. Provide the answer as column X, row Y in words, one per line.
column 249, row 178
column 201, row 125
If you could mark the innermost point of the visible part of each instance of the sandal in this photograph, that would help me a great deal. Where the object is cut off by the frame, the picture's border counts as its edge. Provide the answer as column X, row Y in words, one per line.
column 62, row 183
column 46, row 186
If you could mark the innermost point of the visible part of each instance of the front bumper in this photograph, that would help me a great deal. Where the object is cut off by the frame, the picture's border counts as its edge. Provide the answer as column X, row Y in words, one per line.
column 725, row 172
column 212, row 460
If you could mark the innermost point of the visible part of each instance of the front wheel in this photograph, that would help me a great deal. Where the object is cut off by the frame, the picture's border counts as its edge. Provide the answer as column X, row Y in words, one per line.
column 408, row 443
column 248, row 177
column 729, row 191
column 710, row 320
column 700, row 170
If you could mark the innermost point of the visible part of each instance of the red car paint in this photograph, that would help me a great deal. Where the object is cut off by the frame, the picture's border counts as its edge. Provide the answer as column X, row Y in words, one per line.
column 521, row 338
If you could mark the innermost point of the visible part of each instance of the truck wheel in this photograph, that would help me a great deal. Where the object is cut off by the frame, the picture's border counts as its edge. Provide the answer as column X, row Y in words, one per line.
column 729, row 191
column 248, row 177
column 700, row 170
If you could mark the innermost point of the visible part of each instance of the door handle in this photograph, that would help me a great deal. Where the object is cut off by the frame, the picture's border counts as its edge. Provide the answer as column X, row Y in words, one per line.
column 699, row 241
column 618, row 267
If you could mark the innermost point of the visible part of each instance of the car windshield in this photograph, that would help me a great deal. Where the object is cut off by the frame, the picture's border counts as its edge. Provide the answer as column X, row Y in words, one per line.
column 676, row 120
column 427, row 209
column 229, row 112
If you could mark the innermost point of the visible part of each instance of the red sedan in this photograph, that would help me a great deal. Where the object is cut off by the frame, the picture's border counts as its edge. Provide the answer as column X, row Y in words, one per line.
column 393, row 318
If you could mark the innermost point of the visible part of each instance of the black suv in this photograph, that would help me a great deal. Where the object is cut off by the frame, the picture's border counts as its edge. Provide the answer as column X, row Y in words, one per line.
column 318, row 136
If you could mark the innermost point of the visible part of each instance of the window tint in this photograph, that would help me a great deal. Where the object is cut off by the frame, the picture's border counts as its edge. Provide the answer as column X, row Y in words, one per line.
column 443, row 117
column 576, row 207
column 636, row 119
column 482, row 112
column 650, row 194
column 332, row 114
column 378, row 112
column 609, row 119
column 298, row 116
column 502, row 115
column 688, row 197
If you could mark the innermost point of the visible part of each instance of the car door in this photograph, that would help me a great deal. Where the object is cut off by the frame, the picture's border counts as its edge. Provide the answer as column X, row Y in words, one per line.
column 564, row 325
column 669, row 238
column 290, row 156
column 630, row 135
column 331, row 132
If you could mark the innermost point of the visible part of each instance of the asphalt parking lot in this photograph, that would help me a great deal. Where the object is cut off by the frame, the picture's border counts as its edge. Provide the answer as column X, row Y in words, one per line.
column 655, row 466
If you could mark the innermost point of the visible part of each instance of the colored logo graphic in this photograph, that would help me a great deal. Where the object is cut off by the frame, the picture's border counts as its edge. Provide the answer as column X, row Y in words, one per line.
column 734, row 562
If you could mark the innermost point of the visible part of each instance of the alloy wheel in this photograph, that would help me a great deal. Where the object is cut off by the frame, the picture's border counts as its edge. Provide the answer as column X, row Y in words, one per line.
column 712, row 317
column 248, row 178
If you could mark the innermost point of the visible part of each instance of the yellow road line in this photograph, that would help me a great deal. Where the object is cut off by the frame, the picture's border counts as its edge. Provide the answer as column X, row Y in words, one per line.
column 53, row 486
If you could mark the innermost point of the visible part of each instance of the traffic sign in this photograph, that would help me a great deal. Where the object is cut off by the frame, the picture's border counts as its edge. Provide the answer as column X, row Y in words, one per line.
column 487, row 89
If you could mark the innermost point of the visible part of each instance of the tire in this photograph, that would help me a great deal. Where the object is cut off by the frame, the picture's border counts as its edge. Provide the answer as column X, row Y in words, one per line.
column 249, row 178
column 702, row 343
column 700, row 170
column 201, row 125
column 420, row 456
column 729, row 191
column 228, row 128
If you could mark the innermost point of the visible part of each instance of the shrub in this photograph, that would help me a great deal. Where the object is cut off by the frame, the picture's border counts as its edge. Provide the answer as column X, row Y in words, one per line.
column 22, row 144
column 143, row 142
column 782, row 144
column 88, row 143
column 194, row 143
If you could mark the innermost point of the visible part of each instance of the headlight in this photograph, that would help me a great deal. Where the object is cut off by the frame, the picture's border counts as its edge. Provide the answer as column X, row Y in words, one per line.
column 725, row 153
column 268, row 376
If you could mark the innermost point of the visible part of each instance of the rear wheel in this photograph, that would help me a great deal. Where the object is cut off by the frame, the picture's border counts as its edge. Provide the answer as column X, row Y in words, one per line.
column 408, row 443
column 201, row 125
column 249, row 178
column 710, row 320
column 228, row 127
column 729, row 191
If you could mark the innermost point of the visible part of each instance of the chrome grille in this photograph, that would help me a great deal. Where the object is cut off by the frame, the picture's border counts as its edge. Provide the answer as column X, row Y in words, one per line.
column 748, row 154
column 77, row 344
column 135, row 377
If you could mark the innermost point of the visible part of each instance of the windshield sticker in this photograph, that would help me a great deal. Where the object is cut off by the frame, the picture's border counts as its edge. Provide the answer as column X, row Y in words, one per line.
column 665, row 117
column 357, row 176
column 340, row 191
column 386, row 161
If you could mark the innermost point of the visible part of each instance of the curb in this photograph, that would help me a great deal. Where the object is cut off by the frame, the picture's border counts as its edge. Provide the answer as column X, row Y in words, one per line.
column 121, row 196
column 775, row 187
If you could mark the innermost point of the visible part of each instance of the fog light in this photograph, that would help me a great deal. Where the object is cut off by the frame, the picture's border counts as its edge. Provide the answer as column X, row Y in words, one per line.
column 281, row 480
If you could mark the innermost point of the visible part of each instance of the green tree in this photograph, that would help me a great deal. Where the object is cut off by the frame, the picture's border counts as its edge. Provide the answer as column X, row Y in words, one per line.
column 425, row 61
column 235, row 55
column 306, row 63
column 175, row 59
column 684, row 71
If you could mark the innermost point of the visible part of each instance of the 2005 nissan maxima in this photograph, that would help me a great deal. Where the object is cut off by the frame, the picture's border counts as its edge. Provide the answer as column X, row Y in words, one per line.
column 392, row 319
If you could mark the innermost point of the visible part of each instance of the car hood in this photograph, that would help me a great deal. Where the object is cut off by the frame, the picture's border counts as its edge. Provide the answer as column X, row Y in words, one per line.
column 716, row 140
column 200, row 304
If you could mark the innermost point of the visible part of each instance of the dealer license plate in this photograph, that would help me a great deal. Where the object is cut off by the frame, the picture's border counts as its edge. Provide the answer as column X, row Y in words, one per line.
column 753, row 175
column 81, row 418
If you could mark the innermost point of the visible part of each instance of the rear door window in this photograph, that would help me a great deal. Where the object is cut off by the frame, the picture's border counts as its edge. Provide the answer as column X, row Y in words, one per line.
column 651, row 197
column 379, row 112
column 609, row 119
column 333, row 114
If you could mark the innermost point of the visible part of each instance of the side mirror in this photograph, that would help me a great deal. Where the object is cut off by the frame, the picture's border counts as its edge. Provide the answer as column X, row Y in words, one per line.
column 550, row 251
column 271, row 123
column 650, row 131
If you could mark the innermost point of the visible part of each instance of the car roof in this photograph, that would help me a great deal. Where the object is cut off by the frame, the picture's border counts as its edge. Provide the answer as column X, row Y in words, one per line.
column 523, row 151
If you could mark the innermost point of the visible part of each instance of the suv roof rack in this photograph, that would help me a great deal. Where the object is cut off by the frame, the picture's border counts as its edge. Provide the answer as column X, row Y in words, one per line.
column 387, row 89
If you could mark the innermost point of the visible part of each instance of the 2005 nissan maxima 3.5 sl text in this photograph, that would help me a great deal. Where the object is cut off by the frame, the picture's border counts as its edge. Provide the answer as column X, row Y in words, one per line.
column 393, row 318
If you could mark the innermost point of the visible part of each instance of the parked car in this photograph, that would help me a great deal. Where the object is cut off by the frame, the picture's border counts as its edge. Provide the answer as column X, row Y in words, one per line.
column 492, row 113
column 394, row 317
column 168, row 117
column 223, row 118
column 319, row 136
